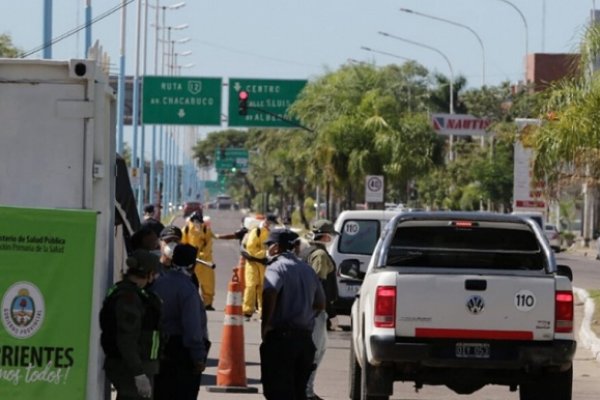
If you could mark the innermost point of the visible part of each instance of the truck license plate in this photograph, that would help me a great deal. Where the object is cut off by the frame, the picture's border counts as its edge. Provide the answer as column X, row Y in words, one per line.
column 472, row 350
column 353, row 289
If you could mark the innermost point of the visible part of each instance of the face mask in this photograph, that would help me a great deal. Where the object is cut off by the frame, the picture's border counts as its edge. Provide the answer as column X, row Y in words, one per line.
column 168, row 249
column 155, row 252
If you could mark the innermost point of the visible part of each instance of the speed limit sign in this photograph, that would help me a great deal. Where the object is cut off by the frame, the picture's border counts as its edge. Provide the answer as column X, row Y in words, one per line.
column 374, row 189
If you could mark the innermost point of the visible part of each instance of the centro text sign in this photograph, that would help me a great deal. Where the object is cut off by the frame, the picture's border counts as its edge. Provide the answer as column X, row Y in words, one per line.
column 181, row 100
column 266, row 97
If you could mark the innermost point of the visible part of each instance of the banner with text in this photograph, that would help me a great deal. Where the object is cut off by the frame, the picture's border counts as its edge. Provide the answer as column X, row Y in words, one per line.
column 47, row 264
column 460, row 125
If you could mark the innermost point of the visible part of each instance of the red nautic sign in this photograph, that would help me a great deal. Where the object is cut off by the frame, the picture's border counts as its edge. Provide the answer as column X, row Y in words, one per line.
column 460, row 125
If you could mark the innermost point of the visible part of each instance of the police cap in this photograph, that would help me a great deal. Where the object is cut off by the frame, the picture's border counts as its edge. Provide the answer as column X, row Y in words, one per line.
column 142, row 262
column 323, row 226
column 282, row 237
column 170, row 232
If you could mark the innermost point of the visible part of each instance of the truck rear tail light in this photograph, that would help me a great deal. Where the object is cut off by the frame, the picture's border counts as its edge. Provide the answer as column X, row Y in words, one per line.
column 385, row 307
column 464, row 224
column 564, row 312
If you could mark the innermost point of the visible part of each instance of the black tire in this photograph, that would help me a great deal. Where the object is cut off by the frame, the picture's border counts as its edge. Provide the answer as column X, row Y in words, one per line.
column 354, row 375
column 555, row 386
column 364, row 374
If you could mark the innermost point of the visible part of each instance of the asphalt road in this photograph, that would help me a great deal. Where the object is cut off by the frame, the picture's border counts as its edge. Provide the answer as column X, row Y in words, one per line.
column 332, row 378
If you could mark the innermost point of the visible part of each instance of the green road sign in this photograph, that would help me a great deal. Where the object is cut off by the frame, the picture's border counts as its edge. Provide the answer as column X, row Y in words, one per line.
column 181, row 100
column 272, row 96
column 230, row 158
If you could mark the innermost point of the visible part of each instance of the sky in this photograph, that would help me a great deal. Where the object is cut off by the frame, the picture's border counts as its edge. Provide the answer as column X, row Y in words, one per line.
column 303, row 39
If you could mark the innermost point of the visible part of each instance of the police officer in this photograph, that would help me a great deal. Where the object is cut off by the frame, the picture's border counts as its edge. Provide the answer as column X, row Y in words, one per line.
column 198, row 234
column 187, row 348
column 318, row 258
column 292, row 295
column 169, row 237
column 130, row 324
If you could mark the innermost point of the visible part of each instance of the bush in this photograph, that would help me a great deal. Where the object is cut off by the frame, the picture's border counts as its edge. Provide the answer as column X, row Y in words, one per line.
column 567, row 237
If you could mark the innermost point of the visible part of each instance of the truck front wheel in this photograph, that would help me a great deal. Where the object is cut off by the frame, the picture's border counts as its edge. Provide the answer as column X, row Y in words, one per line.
column 354, row 375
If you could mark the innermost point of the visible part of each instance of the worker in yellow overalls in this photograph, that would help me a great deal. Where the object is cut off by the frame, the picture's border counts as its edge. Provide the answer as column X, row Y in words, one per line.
column 254, row 272
column 198, row 234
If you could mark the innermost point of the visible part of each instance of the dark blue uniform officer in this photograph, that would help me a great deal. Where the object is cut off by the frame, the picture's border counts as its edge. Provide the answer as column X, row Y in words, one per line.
column 292, row 295
column 184, row 321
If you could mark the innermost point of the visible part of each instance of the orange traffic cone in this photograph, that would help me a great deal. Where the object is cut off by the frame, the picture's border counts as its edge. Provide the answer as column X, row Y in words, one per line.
column 239, row 272
column 231, row 371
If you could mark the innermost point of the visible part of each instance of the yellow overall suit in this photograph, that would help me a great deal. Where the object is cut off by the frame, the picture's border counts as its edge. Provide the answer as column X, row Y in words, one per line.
column 254, row 273
column 202, row 239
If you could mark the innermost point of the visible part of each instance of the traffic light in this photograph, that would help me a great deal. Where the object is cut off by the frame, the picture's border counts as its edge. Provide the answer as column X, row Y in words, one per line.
column 243, row 102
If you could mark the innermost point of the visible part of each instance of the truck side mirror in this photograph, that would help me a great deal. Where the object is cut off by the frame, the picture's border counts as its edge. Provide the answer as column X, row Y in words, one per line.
column 564, row 270
column 350, row 269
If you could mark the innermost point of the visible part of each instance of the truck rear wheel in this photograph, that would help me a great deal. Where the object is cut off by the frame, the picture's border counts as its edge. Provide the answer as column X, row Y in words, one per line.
column 365, row 376
column 556, row 386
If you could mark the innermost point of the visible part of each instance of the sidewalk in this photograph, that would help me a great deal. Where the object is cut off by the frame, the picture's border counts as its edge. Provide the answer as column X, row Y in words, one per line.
column 587, row 252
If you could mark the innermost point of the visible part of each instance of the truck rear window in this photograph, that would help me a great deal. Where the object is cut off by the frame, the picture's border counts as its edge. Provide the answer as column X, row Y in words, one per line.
column 482, row 246
column 359, row 236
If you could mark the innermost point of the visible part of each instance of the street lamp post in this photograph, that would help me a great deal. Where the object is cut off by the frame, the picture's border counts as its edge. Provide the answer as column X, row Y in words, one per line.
column 526, row 30
column 385, row 53
column 365, row 48
column 451, row 108
column 136, row 105
column 174, row 56
column 121, row 85
column 357, row 62
column 176, row 131
column 188, row 65
column 154, row 197
column 406, row 10
column 166, row 178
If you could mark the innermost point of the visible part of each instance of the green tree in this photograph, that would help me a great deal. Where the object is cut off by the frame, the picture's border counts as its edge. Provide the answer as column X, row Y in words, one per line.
column 360, row 113
column 204, row 150
column 440, row 94
column 7, row 48
column 567, row 145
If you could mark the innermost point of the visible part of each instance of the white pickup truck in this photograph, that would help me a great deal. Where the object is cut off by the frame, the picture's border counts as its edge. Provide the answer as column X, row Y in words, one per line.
column 462, row 300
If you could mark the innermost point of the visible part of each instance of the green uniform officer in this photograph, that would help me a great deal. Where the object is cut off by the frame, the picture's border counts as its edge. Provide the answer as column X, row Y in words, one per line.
column 130, row 323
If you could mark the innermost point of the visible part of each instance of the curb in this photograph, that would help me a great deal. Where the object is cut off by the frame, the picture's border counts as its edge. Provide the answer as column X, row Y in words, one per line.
column 587, row 336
